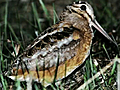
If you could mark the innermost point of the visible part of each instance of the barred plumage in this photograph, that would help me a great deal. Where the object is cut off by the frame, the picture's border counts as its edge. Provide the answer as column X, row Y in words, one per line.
column 66, row 43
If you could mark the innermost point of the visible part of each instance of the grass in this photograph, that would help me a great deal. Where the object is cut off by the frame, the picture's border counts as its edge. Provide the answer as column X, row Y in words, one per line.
column 21, row 22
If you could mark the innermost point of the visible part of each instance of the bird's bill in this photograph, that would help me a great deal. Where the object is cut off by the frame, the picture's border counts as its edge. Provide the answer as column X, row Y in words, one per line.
column 100, row 29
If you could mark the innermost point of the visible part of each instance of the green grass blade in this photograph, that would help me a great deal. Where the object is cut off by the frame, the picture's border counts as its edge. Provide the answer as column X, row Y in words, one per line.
column 36, row 16
column 18, row 85
column 106, row 52
column 45, row 10
column 92, row 69
column 4, row 83
column 15, row 36
column 55, row 16
column 5, row 19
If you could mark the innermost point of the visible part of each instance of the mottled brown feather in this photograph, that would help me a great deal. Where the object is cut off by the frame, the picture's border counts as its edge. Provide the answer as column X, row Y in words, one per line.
column 71, row 38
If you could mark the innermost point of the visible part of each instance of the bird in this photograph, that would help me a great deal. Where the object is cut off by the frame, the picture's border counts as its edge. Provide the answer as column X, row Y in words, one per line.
column 59, row 49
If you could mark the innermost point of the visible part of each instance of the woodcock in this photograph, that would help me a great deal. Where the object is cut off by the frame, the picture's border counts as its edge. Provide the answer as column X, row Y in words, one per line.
column 61, row 48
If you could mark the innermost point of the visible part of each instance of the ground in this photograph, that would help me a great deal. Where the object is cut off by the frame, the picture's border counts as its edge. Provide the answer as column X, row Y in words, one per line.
column 22, row 20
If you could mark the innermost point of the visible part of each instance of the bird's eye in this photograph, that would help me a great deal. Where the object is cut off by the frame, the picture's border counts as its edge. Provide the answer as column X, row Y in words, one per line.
column 83, row 7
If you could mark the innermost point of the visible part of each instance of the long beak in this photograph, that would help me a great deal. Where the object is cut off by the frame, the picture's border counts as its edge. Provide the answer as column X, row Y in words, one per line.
column 100, row 29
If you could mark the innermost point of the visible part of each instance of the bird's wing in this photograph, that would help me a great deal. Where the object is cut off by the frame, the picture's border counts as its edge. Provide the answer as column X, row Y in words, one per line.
column 57, row 43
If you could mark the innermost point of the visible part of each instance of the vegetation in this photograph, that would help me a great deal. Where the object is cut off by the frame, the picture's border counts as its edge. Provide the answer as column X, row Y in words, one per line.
column 21, row 21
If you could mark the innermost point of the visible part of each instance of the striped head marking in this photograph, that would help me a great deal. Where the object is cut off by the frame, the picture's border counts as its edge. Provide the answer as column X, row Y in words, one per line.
column 83, row 9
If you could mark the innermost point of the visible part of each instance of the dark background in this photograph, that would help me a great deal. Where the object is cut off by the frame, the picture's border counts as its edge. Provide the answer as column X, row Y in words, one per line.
column 18, row 24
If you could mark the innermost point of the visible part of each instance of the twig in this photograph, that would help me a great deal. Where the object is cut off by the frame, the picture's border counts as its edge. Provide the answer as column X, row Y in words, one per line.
column 118, row 74
column 98, row 74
